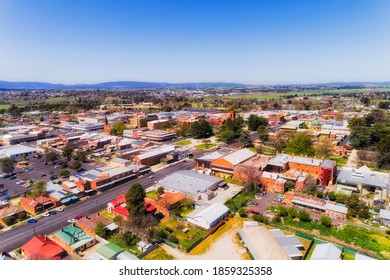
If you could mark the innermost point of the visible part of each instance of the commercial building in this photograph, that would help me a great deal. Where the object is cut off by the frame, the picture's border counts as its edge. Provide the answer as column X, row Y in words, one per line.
column 226, row 164
column 197, row 185
column 154, row 125
column 17, row 151
column 141, row 121
column 364, row 181
column 154, row 156
column 13, row 139
column 205, row 161
column 157, row 136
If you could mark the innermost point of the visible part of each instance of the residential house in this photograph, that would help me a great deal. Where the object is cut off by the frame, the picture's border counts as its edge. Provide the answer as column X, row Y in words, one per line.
column 89, row 223
column 73, row 239
column 42, row 248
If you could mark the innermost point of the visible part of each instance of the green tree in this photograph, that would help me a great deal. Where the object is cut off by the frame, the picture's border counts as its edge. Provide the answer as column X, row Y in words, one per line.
column 160, row 190
column 227, row 136
column 135, row 200
column 332, row 196
column 255, row 121
column 292, row 212
column 322, row 150
column 51, row 156
column 300, row 144
column 383, row 156
column 282, row 211
column 76, row 165
column 326, row 221
column 39, row 188
column 262, row 133
column 242, row 213
column 81, row 155
column 201, row 129
column 303, row 216
column 245, row 139
column 117, row 128
column 67, row 152
column 7, row 165
column 355, row 123
column 64, row 172
column 100, row 230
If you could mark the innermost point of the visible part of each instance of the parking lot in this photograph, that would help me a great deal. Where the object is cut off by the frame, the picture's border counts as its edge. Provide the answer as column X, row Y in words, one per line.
column 264, row 202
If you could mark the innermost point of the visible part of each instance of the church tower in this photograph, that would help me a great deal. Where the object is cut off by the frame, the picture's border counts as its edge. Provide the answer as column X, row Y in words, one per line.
column 107, row 128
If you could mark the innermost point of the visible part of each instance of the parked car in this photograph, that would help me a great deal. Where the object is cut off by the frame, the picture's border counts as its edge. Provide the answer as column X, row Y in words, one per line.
column 253, row 211
column 31, row 221
column 53, row 177
column 46, row 214
column 12, row 178
column 72, row 221
column 43, row 175
column 253, row 203
column 151, row 176
column 78, row 217
column 60, row 209
column 52, row 212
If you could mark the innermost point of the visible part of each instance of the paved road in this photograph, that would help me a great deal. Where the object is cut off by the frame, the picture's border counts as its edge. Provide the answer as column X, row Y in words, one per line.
column 14, row 238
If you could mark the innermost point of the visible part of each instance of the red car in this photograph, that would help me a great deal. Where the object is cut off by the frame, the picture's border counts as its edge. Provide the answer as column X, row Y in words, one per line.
column 255, row 212
column 78, row 217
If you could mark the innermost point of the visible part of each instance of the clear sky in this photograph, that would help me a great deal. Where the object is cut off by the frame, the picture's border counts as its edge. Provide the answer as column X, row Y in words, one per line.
column 255, row 42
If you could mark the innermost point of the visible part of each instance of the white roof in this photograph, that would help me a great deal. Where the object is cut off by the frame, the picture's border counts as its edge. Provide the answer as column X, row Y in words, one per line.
column 336, row 208
column 16, row 149
column 384, row 214
column 165, row 149
column 239, row 156
column 269, row 175
column 211, row 213
column 326, row 251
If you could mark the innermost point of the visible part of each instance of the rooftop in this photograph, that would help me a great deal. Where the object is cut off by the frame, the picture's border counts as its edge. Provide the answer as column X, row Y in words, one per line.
column 188, row 181
column 364, row 176
column 326, row 251
column 239, row 156
column 210, row 213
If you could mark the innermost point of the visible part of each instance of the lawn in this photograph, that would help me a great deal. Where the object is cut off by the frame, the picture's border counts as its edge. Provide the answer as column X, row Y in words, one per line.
column 339, row 160
column 185, row 239
column 183, row 143
column 158, row 254
column 106, row 215
column 152, row 195
column 240, row 200
column 234, row 223
column 205, row 146
column 119, row 240
column 268, row 150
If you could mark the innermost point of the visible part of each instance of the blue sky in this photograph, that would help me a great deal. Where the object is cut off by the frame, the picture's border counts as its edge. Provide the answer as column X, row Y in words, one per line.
column 255, row 42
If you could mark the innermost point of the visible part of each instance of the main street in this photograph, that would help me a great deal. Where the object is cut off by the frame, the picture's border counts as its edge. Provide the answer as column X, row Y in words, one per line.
column 16, row 237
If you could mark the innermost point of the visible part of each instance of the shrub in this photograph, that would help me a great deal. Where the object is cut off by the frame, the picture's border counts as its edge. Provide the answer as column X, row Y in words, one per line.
column 260, row 218
column 173, row 238
column 179, row 227
column 160, row 190
column 282, row 211
column 242, row 213
column 64, row 172
column 9, row 221
column 303, row 216
column 292, row 212
column 388, row 231
column 326, row 221
column 276, row 219
column 118, row 219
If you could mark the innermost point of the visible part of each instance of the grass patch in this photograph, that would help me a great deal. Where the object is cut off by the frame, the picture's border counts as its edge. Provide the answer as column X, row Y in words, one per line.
column 348, row 257
column 152, row 195
column 183, row 143
column 234, row 223
column 158, row 254
column 205, row 146
column 268, row 151
column 240, row 200
column 119, row 240
column 106, row 215
column 253, row 149
column 339, row 160
column 185, row 239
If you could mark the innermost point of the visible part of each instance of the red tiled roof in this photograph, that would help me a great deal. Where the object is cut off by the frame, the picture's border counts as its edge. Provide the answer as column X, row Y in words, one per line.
column 28, row 201
column 119, row 200
column 169, row 198
column 42, row 247
column 43, row 200
column 121, row 210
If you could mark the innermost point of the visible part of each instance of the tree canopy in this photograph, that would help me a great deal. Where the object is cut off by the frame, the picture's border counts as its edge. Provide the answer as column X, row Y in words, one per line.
column 7, row 165
column 51, row 156
column 135, row 200
column 300, row 144
column 255, row 121
column 117, row 128
column 39, row 188
column 245, row 139
column 201, row 129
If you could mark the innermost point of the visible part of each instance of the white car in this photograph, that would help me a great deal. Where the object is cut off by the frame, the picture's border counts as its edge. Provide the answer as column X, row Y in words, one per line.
column 72, row 221
column 46, row 214
column 60, row 209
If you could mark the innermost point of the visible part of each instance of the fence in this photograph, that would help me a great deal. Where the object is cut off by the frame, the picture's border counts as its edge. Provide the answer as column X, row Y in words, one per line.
column 169, row 243
column 193, row 245
column 148, row 251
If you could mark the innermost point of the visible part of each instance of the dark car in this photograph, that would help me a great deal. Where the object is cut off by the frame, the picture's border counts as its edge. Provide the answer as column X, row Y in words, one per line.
column 168, row 229
column 31, row 221
column 253, row 203
column 80, row 169
column 52, row 212
column 53, row 177
column 12, row 178
column 43, row 175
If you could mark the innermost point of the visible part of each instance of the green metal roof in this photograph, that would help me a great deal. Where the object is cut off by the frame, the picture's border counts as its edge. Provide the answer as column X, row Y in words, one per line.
column 74, row 236
column 110, row 250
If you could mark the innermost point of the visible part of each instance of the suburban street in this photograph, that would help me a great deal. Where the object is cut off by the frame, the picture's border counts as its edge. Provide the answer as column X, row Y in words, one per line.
column 14, row 238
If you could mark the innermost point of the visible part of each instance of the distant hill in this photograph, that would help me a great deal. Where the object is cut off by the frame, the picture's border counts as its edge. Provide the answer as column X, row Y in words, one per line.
column 110, row 85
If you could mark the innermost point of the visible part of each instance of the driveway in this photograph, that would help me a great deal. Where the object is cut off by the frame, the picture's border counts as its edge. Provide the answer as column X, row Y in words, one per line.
column 353, row 159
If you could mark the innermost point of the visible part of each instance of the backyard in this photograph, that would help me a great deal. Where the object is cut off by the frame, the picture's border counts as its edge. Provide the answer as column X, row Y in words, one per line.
column 186, row 239
column 205, row 146
column 183, row 143
column 340, row 161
